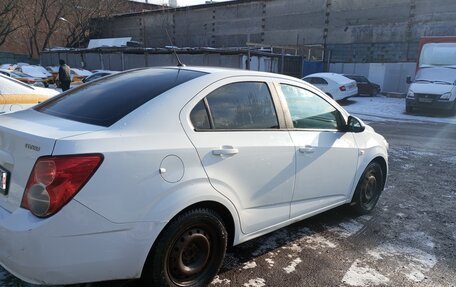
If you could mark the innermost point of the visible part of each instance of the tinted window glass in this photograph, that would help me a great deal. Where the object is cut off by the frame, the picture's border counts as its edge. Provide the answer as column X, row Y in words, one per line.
column 316, row 81
column 319, row 81
column 308, row 80
column 245, row 105
column 199, row 117
column 106, row 101
column 308, row 110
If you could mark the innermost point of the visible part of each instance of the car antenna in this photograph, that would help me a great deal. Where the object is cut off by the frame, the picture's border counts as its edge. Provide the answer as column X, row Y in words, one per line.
column 179, row 63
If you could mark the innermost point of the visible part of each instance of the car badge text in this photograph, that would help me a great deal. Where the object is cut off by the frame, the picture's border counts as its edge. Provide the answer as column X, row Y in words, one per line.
column 32, row 147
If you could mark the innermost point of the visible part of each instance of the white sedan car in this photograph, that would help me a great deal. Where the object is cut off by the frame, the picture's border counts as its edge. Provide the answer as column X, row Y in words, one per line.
column 334, row 85
column 154, row 172
column 15, row 95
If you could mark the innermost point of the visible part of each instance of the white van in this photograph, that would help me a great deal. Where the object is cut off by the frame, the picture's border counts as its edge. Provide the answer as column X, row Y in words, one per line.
column 434, row 88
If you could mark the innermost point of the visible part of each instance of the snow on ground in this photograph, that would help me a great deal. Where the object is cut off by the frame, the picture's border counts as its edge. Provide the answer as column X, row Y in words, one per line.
column 249, row 265
column 364, row 275
column 217, row 280
column 347, row 229
column 411, row 255
column 381, row 107
column 258, row 282
column 292, row 267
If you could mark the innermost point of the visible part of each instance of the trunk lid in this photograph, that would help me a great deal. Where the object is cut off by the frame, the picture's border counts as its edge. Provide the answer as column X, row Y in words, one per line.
column 24, row 137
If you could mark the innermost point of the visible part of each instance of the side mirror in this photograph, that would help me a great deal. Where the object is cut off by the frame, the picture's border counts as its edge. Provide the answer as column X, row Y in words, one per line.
column 355, row 125
column 408, row 80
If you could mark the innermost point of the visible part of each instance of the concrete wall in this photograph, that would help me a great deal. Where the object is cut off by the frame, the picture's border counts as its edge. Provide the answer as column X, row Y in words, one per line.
column 359, row 31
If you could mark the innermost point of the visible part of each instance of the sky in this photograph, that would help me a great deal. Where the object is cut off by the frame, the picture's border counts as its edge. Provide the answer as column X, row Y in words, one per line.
column 180, row 2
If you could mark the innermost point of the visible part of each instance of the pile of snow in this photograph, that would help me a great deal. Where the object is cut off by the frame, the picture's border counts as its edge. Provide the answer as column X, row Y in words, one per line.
column 384, row 108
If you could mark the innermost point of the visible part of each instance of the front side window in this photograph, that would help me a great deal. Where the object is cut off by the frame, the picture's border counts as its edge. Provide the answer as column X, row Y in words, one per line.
column 238, row 106
column 308, row 110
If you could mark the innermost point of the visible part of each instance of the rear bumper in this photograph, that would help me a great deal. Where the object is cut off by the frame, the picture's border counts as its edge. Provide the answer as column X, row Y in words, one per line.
column 346, row 94
column 74, row 246
column 434, row 105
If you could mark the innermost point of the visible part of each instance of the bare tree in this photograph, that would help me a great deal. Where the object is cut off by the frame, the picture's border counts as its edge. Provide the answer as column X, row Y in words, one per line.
column 38, row 23
column 8, row 18
column 79, row 13
column 40, row 19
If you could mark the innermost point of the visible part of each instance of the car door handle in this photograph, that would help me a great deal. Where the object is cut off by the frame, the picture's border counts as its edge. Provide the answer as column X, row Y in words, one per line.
column 225, row 151
column 307, row 149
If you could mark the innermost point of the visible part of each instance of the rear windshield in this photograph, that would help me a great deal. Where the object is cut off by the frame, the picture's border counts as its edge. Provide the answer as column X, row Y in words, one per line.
column 109, row 99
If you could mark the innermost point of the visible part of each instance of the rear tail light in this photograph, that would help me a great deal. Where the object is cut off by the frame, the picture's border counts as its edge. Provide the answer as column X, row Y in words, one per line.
column 342, row 88
column 55, row 180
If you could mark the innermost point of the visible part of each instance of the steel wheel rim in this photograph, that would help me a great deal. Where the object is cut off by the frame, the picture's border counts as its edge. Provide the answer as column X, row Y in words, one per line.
column 189, row 256
column 369, row 190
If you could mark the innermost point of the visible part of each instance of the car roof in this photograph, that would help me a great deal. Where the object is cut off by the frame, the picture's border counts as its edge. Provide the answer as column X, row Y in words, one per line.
column 353, row 75
column 333, row 76
column 231, row 72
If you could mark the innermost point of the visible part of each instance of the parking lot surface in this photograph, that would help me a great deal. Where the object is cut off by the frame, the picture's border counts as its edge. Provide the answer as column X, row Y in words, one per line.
column 409, row 239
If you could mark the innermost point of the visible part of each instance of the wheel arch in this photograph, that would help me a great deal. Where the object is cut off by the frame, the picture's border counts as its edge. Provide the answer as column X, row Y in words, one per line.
column 222, row 211
column 217, row 207
column 382, row 162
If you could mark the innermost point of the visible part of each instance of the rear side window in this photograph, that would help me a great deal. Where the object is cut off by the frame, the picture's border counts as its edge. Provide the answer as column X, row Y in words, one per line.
column 238, row 106
column 106, row 101
column 319, row 81
column 199, row 117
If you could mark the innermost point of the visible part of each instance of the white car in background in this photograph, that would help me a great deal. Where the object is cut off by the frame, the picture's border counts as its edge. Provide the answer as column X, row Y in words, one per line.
column 16, row 95
column 334, row 85
column 154, row 172
column 37, row 71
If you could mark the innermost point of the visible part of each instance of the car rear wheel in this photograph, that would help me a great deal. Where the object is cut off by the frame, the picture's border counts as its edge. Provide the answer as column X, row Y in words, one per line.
column 189, row 251
column 374, row 92
column 408, row 109
column 368, row 189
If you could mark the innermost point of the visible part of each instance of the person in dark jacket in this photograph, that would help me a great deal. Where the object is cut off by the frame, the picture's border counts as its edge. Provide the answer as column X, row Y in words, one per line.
column 64, row 75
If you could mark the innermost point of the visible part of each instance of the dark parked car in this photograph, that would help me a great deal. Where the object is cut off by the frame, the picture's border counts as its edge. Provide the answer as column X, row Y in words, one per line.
column 365, row 87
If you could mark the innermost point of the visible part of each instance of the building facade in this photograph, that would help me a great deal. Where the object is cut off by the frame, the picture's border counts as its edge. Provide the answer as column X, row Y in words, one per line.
column 378, row 39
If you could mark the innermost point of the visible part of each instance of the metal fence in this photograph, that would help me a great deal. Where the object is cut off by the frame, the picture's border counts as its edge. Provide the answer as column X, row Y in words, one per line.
column 11, row 58
column 119, row 60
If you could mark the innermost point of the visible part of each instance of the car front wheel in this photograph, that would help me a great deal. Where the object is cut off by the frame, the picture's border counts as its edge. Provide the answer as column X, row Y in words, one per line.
column 189, row 251
column 368, row 189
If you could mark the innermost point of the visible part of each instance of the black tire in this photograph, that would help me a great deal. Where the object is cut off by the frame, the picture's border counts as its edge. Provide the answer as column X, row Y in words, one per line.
column 408, row 109
column 189, row 251
column 369, row 188
column 374, row 92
